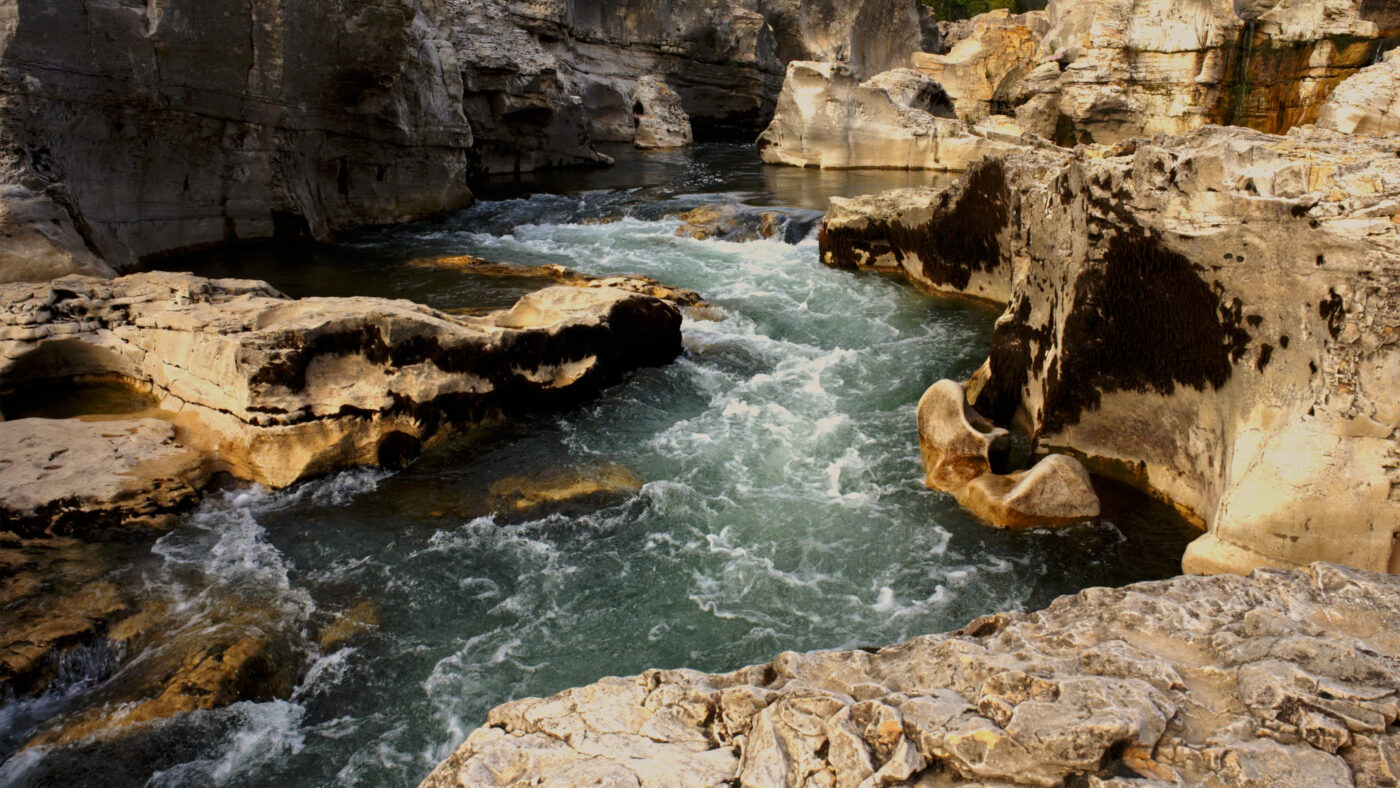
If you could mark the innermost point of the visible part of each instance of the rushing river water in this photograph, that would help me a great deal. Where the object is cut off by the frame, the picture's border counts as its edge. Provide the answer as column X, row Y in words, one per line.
column 781, row 507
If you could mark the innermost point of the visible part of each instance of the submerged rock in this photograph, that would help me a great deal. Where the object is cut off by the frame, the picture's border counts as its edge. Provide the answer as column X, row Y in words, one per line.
column 898, row 119
column 1210, row 317
column 1283, row 678
column 591, row 486
column 661, row 120
column 274, row 390
column 728, row 222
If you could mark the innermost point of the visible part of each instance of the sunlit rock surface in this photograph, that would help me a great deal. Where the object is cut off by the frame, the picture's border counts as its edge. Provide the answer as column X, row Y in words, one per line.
column 1368, row 102
column 1112, row 69
column 985, row 72
column 898, row 119
column 275, row 389
column 1210, row 317
column 65, row 476
column 1282, row 678
column 661, row 120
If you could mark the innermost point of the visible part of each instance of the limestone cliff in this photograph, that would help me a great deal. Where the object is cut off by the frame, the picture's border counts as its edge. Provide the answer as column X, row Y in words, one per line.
column 1113, row 69
column 1281, row 679
column 1210, row 317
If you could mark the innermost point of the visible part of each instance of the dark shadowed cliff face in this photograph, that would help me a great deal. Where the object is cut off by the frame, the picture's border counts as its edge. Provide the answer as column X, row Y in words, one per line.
column 139, row 128
column 178, row 123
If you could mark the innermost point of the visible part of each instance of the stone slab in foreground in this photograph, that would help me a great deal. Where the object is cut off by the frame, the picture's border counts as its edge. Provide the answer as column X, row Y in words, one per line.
column 1278, row 679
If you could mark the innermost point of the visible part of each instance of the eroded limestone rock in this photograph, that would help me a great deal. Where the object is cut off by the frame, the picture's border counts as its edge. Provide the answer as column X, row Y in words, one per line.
column 661, row 120
column 1113, row 69
column 955, row 443
column 898, row 119
column 1209, row 317
column 1367, row 102
column 985, row 71
column 1283, row 678
column 67, row 476
column 275, row 389
column 1055, row 491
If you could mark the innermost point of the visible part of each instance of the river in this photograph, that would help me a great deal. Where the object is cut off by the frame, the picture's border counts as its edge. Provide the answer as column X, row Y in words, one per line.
column 780, row 509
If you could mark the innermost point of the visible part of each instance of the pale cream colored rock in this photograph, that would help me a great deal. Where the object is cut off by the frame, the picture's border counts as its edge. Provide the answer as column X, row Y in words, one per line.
column 1191, row 681
column 1368, row 102
column 66, row 476
column 1209, row 317
column 274, row 390
column 985, row 71
column 661, row 120
column 956, row 444
column 1055, row 491
column 898, row 119
column 1144, row 67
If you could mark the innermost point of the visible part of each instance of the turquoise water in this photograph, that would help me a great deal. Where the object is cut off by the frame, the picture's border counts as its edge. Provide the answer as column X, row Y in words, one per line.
column 781, row 506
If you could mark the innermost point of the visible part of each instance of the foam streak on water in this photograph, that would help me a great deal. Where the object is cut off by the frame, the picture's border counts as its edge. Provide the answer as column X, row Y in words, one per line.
column 782, row 509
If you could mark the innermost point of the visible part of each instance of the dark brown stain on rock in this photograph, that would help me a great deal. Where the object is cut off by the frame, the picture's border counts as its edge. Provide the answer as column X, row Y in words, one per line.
column 959, row 238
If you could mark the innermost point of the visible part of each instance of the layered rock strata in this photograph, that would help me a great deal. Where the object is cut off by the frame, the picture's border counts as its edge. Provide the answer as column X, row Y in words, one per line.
column 898, row 119
column 273, row 389
column 1366, row 103
column 1209, row 317
column 1113, row 69
column 1284, row 678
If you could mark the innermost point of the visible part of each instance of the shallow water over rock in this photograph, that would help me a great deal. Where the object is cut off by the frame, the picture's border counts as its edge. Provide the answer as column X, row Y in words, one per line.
column 780, row 507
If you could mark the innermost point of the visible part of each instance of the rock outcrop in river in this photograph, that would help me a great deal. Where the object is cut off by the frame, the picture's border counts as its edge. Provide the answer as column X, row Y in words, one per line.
column 1210, row 317
column 273, row 389
column 1281, row 679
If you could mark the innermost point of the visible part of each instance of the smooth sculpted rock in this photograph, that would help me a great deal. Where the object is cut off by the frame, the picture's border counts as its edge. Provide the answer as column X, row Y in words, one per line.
column 1279, row 679
column 956, row 444
column 80, row 477
column 964, row 454
column 1055, row 491
column 1113, row 69
column 1209, row 317
column 661, row 120
column 1368, row 102
column 898, row 119
column 275, row 389
column 984, row 73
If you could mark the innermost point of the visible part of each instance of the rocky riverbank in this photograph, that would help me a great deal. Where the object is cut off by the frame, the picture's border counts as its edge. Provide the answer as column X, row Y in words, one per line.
column 1282, row 678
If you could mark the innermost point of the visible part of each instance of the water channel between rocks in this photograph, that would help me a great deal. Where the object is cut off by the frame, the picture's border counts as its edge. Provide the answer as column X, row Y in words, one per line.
column 781, row 505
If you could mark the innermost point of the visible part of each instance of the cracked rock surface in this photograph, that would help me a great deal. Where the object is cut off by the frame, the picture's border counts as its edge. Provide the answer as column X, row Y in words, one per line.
column 1284, row 678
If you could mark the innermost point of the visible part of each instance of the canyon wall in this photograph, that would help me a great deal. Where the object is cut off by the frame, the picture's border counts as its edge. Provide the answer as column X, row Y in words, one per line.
column 138, row 128
column 1209, row 317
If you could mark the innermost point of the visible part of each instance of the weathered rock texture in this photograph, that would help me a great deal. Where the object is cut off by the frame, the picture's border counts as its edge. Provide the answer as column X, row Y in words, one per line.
column 1281, row 679
column 1368, row 102
column 179, row 123
column 966, row 455
column 661, row 120
column 275, row 389
column 1210, row 317
column 1112, row 69
column 61, row 476
column 197, row 122
column 898, row 119
column 984, row 72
